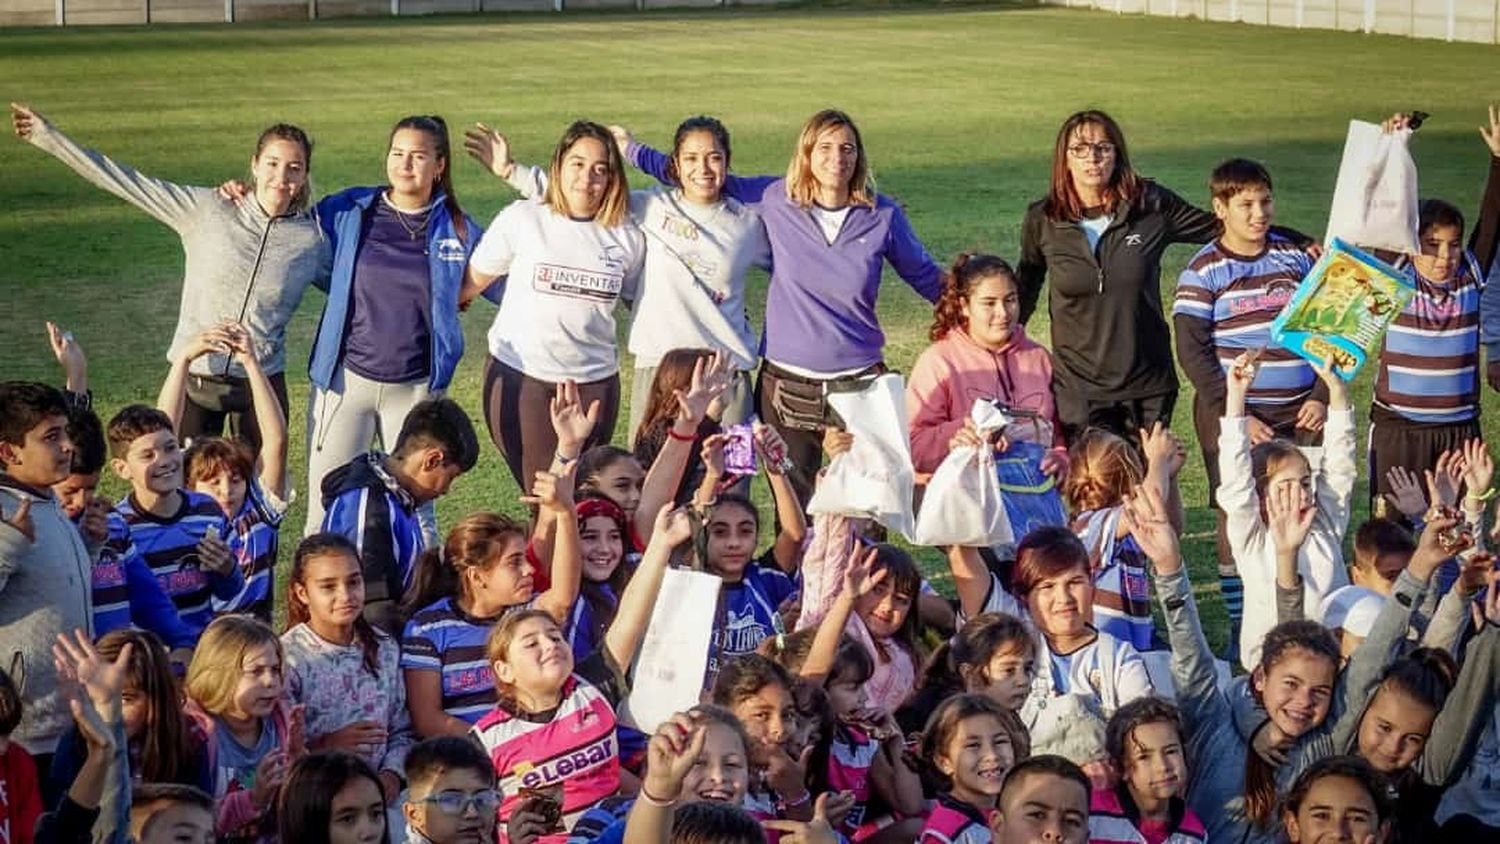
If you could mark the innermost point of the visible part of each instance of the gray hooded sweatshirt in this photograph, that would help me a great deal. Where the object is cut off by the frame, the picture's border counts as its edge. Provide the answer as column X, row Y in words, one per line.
column 242, row 264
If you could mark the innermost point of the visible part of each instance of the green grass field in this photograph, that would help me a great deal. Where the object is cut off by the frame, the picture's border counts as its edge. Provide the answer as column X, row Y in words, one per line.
column 958, row 106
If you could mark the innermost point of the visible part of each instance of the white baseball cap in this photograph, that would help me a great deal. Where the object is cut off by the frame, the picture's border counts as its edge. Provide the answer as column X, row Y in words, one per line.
column 1352, row 609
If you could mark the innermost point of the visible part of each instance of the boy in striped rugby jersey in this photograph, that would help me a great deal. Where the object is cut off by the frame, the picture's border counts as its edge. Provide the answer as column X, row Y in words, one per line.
column 180, row 533
column 1225, row 302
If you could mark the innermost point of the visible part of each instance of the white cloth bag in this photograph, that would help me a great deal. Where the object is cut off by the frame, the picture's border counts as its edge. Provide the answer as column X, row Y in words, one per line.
column 963, row 504
column 1375, row 197
column 874, row 478
column 668, row 673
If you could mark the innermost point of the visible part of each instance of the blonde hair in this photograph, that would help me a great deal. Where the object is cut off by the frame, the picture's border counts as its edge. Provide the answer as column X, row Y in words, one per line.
column 219, row 659
column 1102, row 468
column 802, row 187
column 615, row 205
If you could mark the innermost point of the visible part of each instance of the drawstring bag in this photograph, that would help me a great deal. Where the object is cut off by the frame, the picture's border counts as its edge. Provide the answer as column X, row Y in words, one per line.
column 874, row 478
column 962, row 505
column 1031, row 497
column 1375, row 197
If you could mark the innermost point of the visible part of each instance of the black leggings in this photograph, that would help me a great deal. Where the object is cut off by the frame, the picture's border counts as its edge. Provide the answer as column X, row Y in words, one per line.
column 516, row 411
column 215, row 402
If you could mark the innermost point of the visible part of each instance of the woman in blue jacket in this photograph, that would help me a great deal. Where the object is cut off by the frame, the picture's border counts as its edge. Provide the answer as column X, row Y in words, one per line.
column 390, row 334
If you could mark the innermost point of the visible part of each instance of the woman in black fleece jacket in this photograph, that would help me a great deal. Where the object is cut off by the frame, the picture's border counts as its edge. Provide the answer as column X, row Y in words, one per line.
column 1100, row 234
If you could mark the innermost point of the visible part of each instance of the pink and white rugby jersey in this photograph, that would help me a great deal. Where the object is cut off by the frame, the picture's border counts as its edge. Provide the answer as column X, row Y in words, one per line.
column 574, row 746
column 850, row 757
column 954, row 821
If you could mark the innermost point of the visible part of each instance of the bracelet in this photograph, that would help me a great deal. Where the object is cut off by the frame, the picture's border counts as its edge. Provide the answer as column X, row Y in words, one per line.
column 682, row 438
column 800, row 801
column 563, row 461
column 1483, row 496
column 645, row 797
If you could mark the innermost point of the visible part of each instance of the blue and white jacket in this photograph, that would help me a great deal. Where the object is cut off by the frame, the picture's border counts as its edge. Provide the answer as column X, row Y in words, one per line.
column 342, row 217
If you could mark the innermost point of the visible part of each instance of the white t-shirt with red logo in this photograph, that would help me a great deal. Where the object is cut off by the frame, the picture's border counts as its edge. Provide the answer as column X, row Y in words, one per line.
column 564, row 276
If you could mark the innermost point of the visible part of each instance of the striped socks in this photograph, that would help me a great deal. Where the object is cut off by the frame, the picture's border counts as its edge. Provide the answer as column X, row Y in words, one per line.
column 1232, row 589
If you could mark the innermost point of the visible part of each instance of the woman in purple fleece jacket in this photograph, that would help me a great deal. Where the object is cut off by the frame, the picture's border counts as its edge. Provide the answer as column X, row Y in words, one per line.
column 831, row 235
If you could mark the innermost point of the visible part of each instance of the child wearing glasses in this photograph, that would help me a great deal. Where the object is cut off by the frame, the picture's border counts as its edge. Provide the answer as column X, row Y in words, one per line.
column 451, row 796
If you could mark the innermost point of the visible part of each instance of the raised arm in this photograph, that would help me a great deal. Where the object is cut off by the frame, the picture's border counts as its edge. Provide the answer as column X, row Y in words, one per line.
column 625, row 633
column 172, row 204
column 173, row 394
column 269, row 414
column 980, row 591
column 710, row 379
column 1340, row 467
column 554, row 492
column 1456, row 731
column 492, row 150
column 671, row 755
column 857, row 582
column 572, row 424
column 70, row 357
column 789, row 513
column 652, row 162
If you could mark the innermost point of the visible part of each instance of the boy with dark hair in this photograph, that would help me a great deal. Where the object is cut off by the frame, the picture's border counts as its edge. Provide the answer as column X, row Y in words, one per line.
column 164, row 813
column 1226, row 299
column 1044, row 798
column 1382, row 548
column 44, row 566
column 450, row 797
column 180, row 533
column 373, row 499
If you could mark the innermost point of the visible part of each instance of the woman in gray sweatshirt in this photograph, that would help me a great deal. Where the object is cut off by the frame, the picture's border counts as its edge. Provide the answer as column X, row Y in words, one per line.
column 247, row 262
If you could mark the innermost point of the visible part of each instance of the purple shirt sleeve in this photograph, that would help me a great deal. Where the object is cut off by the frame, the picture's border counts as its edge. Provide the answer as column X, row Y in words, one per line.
column 653, row 162
column 910, row 259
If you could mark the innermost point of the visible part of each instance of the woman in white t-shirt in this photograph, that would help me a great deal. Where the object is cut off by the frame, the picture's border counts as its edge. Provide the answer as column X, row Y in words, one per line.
column 700, row 246
column 568, row 257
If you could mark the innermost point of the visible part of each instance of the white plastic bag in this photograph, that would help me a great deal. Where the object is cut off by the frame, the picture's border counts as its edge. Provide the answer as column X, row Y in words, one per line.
column 673, row 657
column 1375, row 197
column 874, row 478
column 963, row 504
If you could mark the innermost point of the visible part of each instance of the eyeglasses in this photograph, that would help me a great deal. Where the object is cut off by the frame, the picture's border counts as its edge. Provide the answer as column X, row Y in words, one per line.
column 1103, row 149
column 455, row 803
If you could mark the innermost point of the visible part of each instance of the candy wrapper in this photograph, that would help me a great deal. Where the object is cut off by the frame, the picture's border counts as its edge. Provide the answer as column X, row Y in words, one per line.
column 739, row 449
column 1341, row 310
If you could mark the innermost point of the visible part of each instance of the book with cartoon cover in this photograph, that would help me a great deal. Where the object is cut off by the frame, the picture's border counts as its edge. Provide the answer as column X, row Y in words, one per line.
column 1342, row 308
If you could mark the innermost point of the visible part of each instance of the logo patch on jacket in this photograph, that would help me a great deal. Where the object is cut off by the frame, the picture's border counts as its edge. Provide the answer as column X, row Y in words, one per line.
column 451, row 249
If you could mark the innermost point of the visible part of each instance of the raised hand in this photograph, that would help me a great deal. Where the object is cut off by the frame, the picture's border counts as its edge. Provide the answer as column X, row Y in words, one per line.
column 20, row 520
column 622, row 138
column 1444, row 479
column 1474, row 570
column 673, row 526
column 860, row 578
column 1145, row 517
column 1259, row 431
column 1289, row 516
column 1312, row 415
column 1238, row 378
column 95, row 523
column 490, row 148
column 217, row 338
column 1492, row 599
column 234, row 190
column 269, row 775
column 1396, row 122
column 1479, row 470
column 671, row 755
column 711, row 377
column 1406, row 492
column 772, row 448
column 552, row 491
column 1491, row 133
column 786, row 776
column 25, row 121
column 237, row 338
column 296, row 732
column 69, row 355
column 1438, row 542
column 102, row 679
column 570, row 420
column 1338, row 388
column 712, row 453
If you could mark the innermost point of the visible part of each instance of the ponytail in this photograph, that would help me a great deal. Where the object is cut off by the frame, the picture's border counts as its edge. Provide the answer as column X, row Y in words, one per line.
column 476, row 541
column 435, row 578
column 958, row 285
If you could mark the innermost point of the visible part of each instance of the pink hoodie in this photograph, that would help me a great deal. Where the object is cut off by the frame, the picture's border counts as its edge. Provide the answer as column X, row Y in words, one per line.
column 236, row 813
column 953, row 372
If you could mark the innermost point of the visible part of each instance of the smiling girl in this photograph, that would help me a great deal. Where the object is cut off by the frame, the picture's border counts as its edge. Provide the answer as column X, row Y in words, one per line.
column 341, row 668
column 1148, row 750
column 234, row 690
column 250, row 261
column 569, row 257
column 971, row 743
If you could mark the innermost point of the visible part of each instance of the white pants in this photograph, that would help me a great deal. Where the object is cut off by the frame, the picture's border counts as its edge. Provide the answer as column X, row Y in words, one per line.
column 344, row 422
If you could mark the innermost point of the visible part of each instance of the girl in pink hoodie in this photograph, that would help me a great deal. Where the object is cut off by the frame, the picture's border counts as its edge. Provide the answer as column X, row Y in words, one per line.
column 980, row 351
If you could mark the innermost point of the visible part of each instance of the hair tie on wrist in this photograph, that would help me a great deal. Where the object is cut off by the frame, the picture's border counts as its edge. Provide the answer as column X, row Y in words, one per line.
column 680, row 437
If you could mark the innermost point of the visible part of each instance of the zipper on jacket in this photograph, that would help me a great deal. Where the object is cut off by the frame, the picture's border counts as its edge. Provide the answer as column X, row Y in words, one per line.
column 250, row 288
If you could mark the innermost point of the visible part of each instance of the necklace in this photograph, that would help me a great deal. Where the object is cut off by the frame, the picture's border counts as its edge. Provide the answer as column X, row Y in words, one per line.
column 415, row 232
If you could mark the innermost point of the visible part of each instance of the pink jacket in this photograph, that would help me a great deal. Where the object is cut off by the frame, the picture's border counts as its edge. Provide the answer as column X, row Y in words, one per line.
column 237, row 816
column 953, row 372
